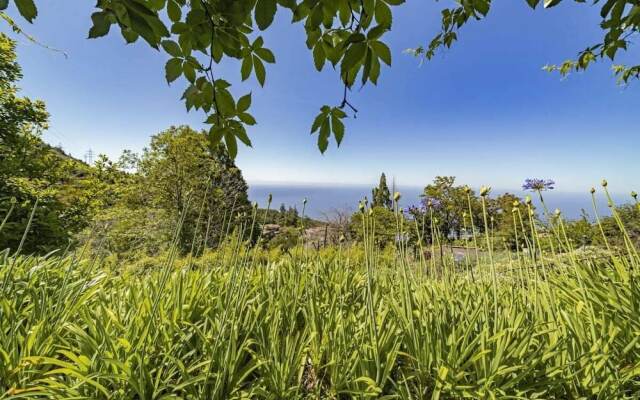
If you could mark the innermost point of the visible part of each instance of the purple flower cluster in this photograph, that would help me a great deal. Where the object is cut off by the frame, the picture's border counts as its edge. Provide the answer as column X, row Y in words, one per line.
column 425, row 204
column 538, row 184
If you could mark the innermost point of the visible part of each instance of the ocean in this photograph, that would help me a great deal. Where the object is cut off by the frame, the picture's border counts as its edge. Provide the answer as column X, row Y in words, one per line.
column 323, row 199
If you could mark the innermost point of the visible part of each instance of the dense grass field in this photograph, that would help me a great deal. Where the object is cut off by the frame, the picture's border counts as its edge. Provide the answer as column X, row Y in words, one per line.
column 343, row 322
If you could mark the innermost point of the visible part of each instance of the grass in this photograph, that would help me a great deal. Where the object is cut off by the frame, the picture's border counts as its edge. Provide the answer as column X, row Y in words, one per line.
column 338, row 323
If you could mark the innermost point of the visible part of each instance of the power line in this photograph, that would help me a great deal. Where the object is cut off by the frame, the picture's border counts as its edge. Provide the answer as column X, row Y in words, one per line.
column 88, row 157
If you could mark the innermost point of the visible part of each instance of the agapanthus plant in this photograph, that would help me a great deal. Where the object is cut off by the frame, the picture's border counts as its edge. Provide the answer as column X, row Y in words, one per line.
column 538, row 185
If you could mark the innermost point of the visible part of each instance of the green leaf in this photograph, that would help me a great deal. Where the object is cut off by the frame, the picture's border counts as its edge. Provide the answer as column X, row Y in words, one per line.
column 258, row 43
column 318, row 56
column 247, row 118
column 189, row 71
column 142, row 27
column 265, row 12
column 129, row 35
column 174, row 11
column 353, row 55
column 230, row 142
column 27, row 9
column 244, row 103
column 266, row 55
column 383, row 14
column 338, row 129
column 533, row 3
column 246, row 68
column 157, row 4
column 382, row 51
column 323, row 137
column 101, row 24
column 317, row 122
column 215, row 133
column 376, row 32
column 4, row 4
column 225, row 102
column 260, row 71
column 172, row 48
column 173, row 69
column 241, row 134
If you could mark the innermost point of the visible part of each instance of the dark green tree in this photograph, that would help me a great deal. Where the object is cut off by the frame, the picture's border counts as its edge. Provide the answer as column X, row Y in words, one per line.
column 381, row 196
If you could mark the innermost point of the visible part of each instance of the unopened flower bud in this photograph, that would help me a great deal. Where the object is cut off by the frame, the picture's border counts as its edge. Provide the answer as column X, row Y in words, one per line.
column 604, row 183
column 371, row 211
column 593, row 190
column 304, row 201
column 634, row 195
column 516, row 203
column 13, row 200
column 527, row 200
column 269, row 198
column 467, row 189
column 558, row 212
column 396, row 196
column 484, row 191
column 361, row 206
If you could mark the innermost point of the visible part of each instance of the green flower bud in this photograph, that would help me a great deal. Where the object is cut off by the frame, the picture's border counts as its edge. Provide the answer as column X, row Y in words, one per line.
column 527, row 200
column 396, row 196
column 593, row 190
column 516, row 203
column 484, row 191
column 604, row 183
column 467, row 189
column 361, row 206
column 269, row 198
column 13, row 201
column 634, row 195
column 304, row 202
column 558, row 212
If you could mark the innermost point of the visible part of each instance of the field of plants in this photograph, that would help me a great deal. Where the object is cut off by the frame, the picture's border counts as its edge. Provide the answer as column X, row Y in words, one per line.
column 547, row 322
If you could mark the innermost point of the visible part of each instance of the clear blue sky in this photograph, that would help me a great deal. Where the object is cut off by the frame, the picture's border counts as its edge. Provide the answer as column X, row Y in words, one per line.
column 483, row 111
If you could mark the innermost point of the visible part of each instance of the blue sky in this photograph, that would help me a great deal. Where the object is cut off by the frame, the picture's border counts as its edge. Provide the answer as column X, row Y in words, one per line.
column 484, row 111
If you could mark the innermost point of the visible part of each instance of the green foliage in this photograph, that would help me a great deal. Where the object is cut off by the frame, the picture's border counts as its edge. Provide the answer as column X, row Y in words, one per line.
column 447, row 204
column 198, row 35
column 338, row 323
column 620, row 21
column 380, row 223
column 32, row 171
column 178, row 181
column 381, row 196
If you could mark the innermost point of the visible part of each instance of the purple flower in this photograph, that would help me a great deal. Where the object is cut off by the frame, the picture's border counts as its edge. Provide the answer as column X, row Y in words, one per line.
column 535, row 184
column 430, row 202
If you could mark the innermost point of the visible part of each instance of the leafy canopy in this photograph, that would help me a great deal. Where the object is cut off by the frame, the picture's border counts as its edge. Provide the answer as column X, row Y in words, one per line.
column 348, row 34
